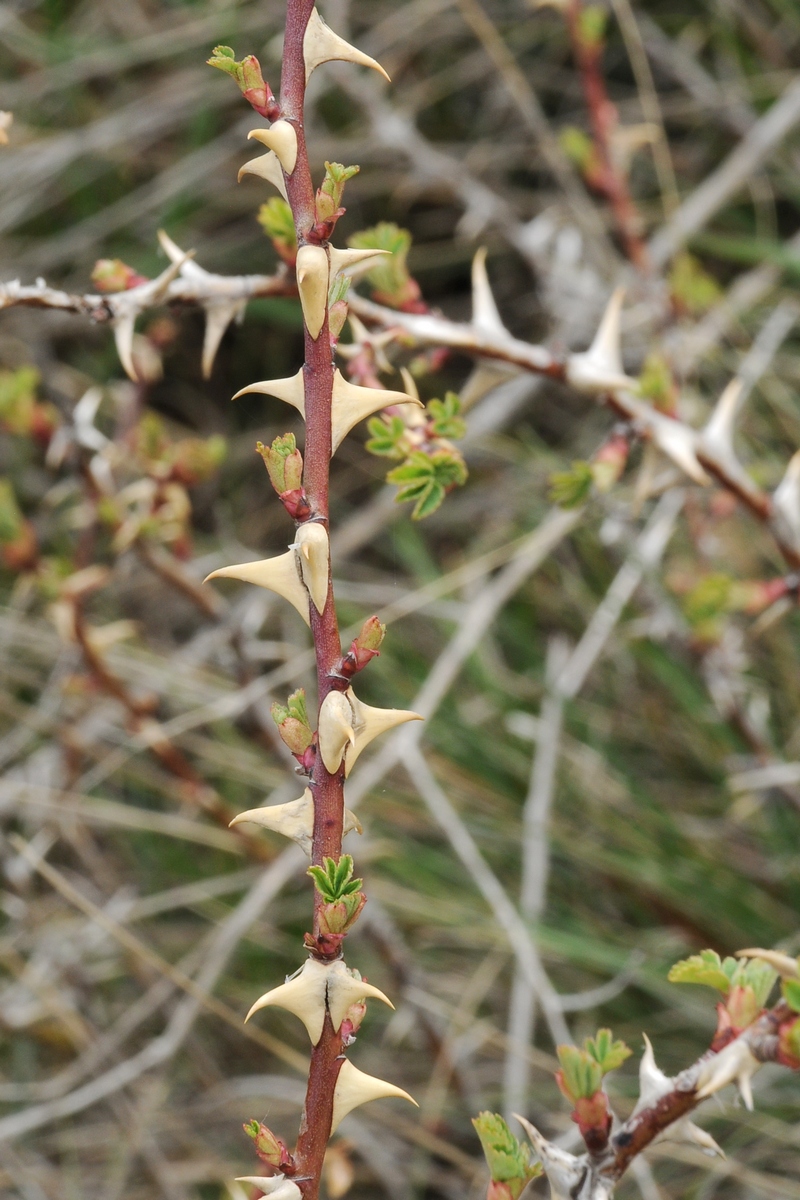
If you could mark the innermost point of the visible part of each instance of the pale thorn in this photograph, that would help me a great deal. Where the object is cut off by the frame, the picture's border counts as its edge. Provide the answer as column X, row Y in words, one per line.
column 485, row 315
column 717, row 437
column 266, row 166
column 279, row 575
column 484, row 378
column 565, row 1172
column 321, row 44
column 219, row 315
column 335, row 730
column 313, row 548
column 735, row 1064
column 786, row 966
column 413, row 418
column 344, row 990
column 282, row 138
column 123, row 338
column 126, row 307
column 179, row 258
column 369, row 723
column 352, row 404
column 628, row 140
column 313, row 272
column 678, row 443
column 303, row 995
column 653, row 1084
column 291, row 390
column 600, row 369
column 354, row 1088
column 294, row 820
column 353, row 262
column 277, row 1187
column 409, row 383
column 786, row 499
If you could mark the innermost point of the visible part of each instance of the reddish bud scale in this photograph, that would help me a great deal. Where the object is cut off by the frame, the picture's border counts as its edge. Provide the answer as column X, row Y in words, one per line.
column 591, row 1115
column 296, row 504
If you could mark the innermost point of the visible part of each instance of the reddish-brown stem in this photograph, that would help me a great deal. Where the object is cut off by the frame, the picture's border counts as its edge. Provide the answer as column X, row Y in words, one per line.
column 327, row 789
column 603, row 118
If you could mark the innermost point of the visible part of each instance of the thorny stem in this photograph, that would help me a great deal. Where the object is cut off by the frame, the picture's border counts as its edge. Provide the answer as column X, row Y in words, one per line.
column 328, row 790
column 603, row 117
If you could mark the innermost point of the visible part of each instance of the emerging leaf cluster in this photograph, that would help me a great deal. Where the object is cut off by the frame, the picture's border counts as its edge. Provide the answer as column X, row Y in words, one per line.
column 582, row 1070
column 592, row 22
column 444, row 419
column 570, row 489
column 330, row 191
column 246, row 74
column 293, row 723
column 275, row 218
column 725, row 974
column 390, row 276
column 509, row 1160
column 656, row 383
column 334, row 880
column 284, row 463
column 692, row 289
column 427, row 478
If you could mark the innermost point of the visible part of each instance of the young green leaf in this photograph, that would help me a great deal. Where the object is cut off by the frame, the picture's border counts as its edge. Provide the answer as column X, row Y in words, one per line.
column 388, row 437
column 569, row 489
column 706, row 968
column 426, row 479
column 791, row 993
column 605, row 1051
column 275, row 218
column 510, row 1161
column 444, row 419
column 333, row 880
column 580, row 1075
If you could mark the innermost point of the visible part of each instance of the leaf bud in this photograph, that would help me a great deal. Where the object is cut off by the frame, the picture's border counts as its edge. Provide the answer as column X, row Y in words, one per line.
column 269, row 1148
column 113, row 275
column 293, row 724
column 328, row 199
column 249, row 80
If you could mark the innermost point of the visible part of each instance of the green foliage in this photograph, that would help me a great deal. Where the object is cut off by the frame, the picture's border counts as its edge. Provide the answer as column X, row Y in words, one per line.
column 577, row 146
column 293, row 723
column 334, row 880
column 791, row 993
column 388, row 437
column 708, row 599
column 709, row 970
column 693, row 290
column 607, row 1052
column 427, row 478
column 329, row 194
column 582, row 1069
column 706, row 968
column 275, row 218
column 11, row 519
column 570, row 489
column 592, row 21
column 390, row 275
column 509, row 1160
column 18, row 399
column 284, row 463
column 443, row 417
column 656, row 382
column 246, row 73
column 581, row 1074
